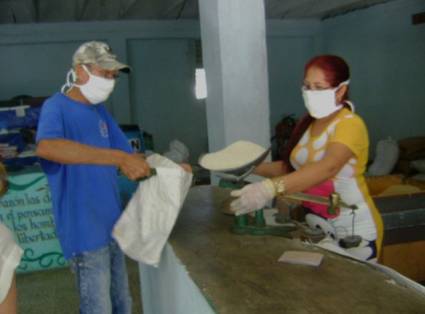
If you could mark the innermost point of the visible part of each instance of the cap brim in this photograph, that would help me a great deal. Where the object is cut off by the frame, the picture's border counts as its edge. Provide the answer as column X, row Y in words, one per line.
column 126, row 69
column 114, row 65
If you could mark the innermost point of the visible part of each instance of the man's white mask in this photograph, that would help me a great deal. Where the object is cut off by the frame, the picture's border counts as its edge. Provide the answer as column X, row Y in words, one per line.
column 97, row 89
column 321, row 103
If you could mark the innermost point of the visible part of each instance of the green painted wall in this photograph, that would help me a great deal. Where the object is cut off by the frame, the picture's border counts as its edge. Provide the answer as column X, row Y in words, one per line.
column 158, row 94
column 385, row 51
column 387, row 58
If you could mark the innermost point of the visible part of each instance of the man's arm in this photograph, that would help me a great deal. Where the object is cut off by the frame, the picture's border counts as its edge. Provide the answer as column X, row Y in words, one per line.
column 70, row 152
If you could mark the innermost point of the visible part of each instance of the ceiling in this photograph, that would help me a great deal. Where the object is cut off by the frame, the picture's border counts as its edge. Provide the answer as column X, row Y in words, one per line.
column 50, row 11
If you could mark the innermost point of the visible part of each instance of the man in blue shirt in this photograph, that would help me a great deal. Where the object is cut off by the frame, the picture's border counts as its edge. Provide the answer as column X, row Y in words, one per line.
column 81, row 147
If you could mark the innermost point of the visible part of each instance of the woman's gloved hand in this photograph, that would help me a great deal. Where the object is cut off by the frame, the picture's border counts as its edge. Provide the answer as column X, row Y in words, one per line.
column 252, row 197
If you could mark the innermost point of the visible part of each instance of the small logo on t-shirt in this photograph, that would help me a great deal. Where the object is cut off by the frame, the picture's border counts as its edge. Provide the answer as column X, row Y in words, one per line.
column 103, row 128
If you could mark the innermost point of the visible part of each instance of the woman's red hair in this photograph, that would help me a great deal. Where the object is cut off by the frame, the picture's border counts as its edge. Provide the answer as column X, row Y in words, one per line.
column 336, row 70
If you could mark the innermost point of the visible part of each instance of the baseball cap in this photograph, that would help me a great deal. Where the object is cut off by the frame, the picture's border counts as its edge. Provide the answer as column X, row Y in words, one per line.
column 99, row 53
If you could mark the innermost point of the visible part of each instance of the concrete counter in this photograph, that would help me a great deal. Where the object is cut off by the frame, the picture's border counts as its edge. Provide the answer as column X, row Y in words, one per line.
column 206, row 269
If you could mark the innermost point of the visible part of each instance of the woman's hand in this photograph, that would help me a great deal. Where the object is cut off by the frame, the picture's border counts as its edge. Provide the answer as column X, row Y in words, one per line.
column 252, row 197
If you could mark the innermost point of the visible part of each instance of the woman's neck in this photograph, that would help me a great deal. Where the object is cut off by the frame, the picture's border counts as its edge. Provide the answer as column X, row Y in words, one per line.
column 327, row 119
column 319, row 125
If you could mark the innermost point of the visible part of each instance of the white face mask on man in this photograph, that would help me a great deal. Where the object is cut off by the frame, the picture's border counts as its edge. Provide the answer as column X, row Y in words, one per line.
column 97, row 89
column 321, row 103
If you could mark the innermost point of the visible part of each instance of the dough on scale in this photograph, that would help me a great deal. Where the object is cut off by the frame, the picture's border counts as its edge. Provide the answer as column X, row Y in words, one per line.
column 233, row 156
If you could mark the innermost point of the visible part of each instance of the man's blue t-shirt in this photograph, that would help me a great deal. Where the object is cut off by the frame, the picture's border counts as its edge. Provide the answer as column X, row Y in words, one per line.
column 86, row 202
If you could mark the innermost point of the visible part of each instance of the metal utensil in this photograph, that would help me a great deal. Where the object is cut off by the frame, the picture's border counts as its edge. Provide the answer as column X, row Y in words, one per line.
column 333, row 201
column 240, row 173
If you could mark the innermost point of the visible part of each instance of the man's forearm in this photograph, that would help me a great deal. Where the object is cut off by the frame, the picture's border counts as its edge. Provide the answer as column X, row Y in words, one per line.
column 70, row 152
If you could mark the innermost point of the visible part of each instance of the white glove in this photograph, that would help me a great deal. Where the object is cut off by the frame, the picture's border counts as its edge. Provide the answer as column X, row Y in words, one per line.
column 252, row 197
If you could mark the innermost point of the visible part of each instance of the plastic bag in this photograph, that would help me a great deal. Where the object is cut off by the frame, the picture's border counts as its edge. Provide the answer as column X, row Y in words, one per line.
column 149, row 217
column 178, row 152
column 387, row 152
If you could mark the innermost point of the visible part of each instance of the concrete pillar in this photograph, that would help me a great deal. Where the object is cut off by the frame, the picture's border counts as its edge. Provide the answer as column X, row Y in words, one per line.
column 235, row 59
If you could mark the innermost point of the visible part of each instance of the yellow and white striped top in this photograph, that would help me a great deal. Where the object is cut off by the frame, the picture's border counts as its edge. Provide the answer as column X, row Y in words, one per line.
column 348, row 129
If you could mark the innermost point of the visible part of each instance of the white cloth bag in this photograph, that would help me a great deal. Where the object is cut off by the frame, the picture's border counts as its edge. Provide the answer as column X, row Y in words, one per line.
column 10, row 256
column 149, row 217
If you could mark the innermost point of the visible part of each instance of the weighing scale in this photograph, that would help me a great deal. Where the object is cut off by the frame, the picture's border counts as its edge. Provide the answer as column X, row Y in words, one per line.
column 246, row 223
column 256, row 225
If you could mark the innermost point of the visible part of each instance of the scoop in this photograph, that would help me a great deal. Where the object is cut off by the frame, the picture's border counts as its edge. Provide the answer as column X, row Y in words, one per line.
column 236, row 161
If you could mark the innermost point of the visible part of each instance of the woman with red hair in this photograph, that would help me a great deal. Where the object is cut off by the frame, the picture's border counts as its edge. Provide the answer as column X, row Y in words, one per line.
column 327, row 154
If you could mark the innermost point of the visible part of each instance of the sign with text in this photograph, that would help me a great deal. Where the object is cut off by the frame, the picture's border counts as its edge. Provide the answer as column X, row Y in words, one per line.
column 26, row 209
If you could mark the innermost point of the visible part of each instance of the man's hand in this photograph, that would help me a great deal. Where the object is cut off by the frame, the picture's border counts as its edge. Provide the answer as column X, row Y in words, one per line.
column 186, row 167
column 134, row 167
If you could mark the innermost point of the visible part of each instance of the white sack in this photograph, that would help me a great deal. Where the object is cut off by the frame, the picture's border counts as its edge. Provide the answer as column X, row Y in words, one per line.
column 149, row 217
column 10, row 256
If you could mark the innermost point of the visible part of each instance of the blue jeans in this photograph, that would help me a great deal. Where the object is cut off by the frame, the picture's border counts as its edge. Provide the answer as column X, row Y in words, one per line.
column 102, row 281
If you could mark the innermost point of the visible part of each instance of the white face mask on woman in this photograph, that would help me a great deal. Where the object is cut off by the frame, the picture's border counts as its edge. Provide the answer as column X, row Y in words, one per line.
column 321, row 103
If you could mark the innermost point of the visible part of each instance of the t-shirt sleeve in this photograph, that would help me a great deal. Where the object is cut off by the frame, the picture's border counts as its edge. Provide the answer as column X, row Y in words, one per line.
column 352, row 133
column 50, row 123
column 118, row 138
column 50, row 126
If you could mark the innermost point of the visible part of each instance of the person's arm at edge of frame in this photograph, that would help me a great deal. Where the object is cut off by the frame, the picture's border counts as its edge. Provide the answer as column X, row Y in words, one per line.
column 9, row 304
column 70, row 152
